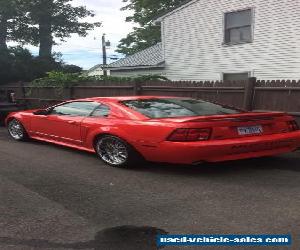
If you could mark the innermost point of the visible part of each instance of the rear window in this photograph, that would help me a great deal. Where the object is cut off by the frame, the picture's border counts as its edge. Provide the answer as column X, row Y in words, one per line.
column 167, row 108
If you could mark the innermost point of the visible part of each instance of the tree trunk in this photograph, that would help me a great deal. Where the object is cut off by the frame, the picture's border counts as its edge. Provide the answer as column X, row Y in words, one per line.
column 3, row 33
column 45, row 36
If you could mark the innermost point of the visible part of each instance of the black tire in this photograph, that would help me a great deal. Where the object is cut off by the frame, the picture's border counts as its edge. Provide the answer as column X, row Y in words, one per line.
column 116, row 152
column 17, row 130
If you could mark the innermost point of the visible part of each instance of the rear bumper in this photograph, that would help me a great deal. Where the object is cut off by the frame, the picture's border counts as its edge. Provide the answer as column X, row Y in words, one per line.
column 222, row 150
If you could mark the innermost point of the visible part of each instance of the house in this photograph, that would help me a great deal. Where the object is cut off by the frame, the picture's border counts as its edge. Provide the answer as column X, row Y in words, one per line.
column 232, row 39
column 96, row 70
column 147, row 62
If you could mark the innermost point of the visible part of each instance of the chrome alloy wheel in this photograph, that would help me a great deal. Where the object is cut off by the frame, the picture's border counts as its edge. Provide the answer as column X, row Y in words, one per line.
column 16, row 130
column 112, row 150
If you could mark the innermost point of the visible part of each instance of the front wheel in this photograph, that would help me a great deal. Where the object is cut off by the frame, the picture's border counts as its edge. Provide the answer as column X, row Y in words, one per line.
column 116, row 152
column 16, row 130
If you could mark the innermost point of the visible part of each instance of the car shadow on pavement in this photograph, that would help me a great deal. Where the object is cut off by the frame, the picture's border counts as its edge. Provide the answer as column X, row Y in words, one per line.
column 287, row 162
column 290, row 162
column 117, row 238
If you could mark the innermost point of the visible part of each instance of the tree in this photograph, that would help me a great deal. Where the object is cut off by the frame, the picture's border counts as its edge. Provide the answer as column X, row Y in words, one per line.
column 58, row 19
column 140, row 39
column 18, row 64
column 14, row 22
column 70, row 68
column 147, row 34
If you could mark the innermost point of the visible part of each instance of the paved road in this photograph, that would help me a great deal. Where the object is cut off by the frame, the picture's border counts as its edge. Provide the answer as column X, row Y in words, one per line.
column 57, row 198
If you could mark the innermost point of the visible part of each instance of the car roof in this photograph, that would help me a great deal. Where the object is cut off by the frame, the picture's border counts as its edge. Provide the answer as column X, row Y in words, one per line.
column 126, row 98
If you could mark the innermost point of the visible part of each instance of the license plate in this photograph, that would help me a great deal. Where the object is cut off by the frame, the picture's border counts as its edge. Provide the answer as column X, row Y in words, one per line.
column 250, row 130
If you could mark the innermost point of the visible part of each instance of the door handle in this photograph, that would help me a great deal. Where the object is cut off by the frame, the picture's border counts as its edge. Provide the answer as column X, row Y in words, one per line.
column 72, row 122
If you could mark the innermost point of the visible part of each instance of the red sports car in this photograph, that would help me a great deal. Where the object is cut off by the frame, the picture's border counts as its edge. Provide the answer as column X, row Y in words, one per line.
column 123, row 130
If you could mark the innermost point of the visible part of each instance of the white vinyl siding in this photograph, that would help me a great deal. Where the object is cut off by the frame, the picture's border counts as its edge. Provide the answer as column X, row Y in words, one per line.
column 96, row 72
column 194, row 49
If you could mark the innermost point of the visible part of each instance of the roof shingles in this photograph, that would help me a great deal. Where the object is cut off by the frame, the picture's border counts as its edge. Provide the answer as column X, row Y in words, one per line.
column 150, row 57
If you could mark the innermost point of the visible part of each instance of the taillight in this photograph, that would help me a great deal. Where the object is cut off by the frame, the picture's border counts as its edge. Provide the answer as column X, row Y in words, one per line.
column 190, row 134
column 292, row 125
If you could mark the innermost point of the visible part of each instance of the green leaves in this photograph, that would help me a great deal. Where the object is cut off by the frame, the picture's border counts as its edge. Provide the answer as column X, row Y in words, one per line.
column 14, row 22
column 61, row 80
column 139, row 39
column 147, row 34
column 59, row 19
column 64, row 80
column 57, row 79
column 40, row 21
column 64, row 18
column 18, row 64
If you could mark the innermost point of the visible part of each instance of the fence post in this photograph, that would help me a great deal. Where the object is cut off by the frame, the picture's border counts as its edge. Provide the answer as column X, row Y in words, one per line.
column 23, row 90
column 71, row 92
column 137, row 88
column 249, row 94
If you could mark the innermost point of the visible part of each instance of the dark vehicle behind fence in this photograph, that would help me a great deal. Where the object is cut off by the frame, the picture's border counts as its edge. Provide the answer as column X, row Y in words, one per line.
column 6, row 108
column 7, row 104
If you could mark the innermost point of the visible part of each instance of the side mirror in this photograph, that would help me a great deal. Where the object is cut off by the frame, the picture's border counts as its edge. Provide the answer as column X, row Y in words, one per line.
column 41, row 112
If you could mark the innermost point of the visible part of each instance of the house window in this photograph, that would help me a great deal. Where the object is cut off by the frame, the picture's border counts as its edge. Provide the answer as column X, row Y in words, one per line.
column 235, row 76
column 238, row 26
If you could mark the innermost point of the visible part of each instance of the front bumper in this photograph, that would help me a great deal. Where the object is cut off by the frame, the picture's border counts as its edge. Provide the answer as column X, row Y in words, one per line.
column 223, row 150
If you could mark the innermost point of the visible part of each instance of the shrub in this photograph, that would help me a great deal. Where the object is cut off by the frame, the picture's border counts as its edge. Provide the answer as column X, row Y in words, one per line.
column 58, row 79
column 62, row 79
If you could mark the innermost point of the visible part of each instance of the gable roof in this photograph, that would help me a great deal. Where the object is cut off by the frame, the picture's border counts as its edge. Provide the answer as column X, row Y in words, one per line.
column 151, row 57
column 95, row 67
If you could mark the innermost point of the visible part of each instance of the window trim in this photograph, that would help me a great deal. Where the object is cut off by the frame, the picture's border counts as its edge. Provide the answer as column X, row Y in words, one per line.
column 252, row 11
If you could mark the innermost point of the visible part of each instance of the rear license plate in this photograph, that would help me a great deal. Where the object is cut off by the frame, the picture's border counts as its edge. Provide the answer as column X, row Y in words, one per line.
column 250, row 130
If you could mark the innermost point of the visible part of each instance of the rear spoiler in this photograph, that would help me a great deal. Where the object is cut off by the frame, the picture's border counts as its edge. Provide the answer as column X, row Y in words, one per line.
column 242, row 117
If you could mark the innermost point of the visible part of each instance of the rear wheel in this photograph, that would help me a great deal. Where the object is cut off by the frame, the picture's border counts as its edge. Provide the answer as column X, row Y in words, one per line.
column 116, row 152
column 16, row 130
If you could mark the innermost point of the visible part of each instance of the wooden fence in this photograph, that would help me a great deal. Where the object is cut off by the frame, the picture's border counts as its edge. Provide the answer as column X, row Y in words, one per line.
column 249, row 95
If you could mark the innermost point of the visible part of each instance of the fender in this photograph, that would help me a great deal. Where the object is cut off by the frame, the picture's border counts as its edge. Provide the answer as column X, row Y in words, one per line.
column 115, row 131
column 23, row 117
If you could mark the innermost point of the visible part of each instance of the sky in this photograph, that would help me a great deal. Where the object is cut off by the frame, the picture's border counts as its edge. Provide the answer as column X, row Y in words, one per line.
column 87, row 52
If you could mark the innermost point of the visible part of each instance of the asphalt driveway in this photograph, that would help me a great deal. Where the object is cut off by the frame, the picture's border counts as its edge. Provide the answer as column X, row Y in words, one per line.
column 57, row 198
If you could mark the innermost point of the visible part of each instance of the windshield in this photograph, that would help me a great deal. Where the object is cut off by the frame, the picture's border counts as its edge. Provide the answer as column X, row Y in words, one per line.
column 167, row 108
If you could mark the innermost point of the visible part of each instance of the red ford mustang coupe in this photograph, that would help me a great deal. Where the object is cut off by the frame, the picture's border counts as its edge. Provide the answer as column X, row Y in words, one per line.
column 123, row 130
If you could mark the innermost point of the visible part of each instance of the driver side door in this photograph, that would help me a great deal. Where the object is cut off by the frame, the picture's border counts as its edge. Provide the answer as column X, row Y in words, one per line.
column 63, row 123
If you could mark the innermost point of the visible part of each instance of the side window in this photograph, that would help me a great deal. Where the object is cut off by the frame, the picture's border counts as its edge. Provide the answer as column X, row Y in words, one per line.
column 101, row 111
column 75, row 109
column 238, row 26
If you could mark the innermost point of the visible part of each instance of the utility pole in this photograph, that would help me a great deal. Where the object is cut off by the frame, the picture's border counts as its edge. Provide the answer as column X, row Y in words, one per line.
column 104, row 55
